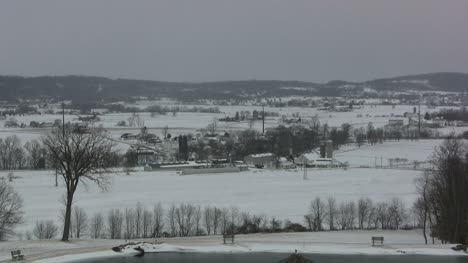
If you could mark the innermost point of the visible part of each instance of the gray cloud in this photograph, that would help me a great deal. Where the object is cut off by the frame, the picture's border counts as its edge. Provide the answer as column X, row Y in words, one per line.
column 204, row 40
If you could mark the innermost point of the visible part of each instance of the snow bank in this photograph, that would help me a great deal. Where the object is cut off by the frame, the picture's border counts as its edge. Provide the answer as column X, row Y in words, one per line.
column 261, row 248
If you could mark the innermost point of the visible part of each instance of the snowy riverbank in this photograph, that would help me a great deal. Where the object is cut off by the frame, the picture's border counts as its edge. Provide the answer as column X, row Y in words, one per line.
column 339, row 242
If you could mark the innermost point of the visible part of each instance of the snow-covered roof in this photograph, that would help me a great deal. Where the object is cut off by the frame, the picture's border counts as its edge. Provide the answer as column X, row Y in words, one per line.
column 323, row 160
column 262, row 155
column 311, row 156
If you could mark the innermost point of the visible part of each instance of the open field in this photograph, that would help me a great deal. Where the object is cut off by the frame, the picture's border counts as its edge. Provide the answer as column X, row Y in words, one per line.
column 280, row 193
column 191, row 122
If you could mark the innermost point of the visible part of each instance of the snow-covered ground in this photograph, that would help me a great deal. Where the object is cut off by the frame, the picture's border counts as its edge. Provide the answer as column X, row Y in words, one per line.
column 382, row 154
column 339, row 242
column 280, row 193
column 191, row 122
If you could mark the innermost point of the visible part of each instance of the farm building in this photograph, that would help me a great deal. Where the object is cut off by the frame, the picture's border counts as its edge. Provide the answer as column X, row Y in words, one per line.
column 314, row 160
column 267, row 160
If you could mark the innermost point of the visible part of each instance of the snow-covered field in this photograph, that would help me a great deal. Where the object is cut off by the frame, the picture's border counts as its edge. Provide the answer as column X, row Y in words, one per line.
column 191, row 122
column 280, row 193
column 381, row 154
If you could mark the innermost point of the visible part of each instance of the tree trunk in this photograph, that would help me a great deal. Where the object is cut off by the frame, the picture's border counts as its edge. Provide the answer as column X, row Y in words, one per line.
column 424, row 227
column 67, row 221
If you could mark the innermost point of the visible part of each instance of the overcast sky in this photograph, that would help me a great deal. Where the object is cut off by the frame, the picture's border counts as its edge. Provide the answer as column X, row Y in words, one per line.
column 209, row 40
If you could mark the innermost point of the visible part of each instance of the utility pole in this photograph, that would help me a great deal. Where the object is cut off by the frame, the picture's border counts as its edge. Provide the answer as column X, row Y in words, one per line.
column 63, row 119
column 419, row 117
column 263, row 120
column 63, row 134
column 304, row 177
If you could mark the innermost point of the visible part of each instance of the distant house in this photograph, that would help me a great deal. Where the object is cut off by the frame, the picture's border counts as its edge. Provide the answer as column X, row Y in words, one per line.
column 315, row 160
column 267, row 160
column 145, row 155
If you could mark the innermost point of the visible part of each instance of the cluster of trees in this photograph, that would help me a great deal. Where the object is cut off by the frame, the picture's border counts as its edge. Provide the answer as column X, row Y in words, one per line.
column 361, row 214
column 15, row 155
column 442, row 205
column 449, row 115
column 11, row 209
column 373, row 135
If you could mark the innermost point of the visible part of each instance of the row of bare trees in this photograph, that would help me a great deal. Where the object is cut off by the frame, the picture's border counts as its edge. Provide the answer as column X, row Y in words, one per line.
column 192, row 220
column 363, row 214
column 15, row 155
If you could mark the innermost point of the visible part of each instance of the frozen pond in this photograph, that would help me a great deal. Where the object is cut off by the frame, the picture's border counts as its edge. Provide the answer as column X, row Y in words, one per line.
column 273, row 258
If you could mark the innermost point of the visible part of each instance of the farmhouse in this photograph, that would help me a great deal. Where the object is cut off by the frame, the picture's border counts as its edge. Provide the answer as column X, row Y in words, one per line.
column 314, row 160
column 267, row 160
column 144, row 155
column 324, row 159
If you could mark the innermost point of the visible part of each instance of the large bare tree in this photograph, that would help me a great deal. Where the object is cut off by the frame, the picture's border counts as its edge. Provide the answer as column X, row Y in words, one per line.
column 80, row 157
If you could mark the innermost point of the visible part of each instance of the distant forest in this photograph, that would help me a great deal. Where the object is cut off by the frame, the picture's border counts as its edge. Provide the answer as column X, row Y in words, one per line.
column 85, row 88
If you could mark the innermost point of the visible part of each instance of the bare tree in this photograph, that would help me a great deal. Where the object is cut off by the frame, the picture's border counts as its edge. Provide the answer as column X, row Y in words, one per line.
column 364, row 207
column 275, row 225
column 217, row 213
column 317, row 212
column 11, row 209
column 171, row 218
column 138, row 219
column 310, row 222
column 35, row 153
column 382, row 215
column 208, row 219
column 332, row 211
column 224, row 220
column 11, row 153
column 80, row 220
column 80, row 157
column 147, row 224
column 45, row 229
column 184, row 215
column 96, row 226
column 158, row 220
column 397, row 213
column 129, row 218
column 346, row 215
column 421, row 207
column 373, row 219
column 114, row 223
column 198, row 221
column 212, row 127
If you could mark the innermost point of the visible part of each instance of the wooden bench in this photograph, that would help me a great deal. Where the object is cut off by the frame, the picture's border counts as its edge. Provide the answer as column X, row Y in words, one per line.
column 377, row 241
column 16, row 255
column 227, row 237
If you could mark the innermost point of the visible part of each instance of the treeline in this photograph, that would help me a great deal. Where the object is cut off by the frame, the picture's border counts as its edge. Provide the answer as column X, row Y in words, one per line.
column 186, row 220
column 449, row 115
column 442, row 206
column 373, row 135
column 158, row 109
column 15, row 155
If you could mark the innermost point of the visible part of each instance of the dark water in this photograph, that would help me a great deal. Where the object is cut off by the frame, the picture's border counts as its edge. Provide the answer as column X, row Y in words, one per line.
column 272, row 258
